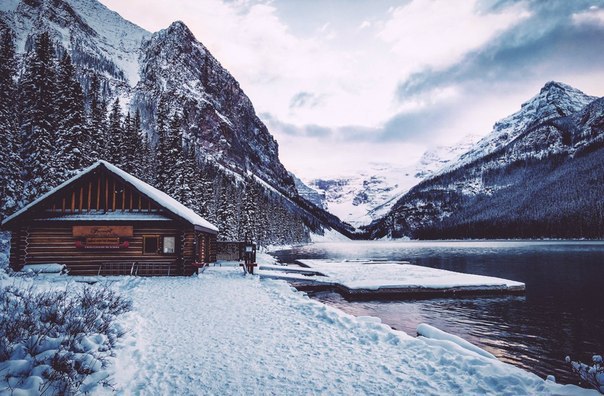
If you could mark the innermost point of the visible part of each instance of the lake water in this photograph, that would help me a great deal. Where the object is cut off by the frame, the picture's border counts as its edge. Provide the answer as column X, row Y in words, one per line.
column 561, row 313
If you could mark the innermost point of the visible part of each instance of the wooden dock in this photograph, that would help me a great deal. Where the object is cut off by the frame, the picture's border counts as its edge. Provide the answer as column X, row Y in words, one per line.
column 368, row 280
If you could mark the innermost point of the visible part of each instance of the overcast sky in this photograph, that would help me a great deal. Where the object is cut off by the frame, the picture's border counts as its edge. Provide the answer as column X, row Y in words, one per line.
column 341, row 83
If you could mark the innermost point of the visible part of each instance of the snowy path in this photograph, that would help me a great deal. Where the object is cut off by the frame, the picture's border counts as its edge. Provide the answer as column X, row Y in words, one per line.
column 223, row 334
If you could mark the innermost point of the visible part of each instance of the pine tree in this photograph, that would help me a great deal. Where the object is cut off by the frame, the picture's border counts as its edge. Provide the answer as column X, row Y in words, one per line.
column 11, row 184
column 115, row 136
column 72, row 135
column 248, row 211
column 146, row 160
column 38, row 121
column 175, row 160
column 97, row 124
column 162, row 171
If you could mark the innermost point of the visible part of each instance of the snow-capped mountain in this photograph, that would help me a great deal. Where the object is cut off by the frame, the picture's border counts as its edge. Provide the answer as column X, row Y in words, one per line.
column 538, row 169
column 141, row 68
column 365, row 196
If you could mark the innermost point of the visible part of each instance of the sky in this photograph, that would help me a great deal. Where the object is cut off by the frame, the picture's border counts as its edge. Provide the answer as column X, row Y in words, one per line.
column 343, row 84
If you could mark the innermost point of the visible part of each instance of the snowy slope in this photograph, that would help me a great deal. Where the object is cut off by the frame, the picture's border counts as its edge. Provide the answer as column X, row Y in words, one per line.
column 367, row 195
column 536, row 170
column 142, row 68
column 554, row 100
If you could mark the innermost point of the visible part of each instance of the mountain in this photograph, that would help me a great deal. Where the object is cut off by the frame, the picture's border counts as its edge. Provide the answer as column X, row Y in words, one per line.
column 360, row 198
column 539, row 173
column 143, row 69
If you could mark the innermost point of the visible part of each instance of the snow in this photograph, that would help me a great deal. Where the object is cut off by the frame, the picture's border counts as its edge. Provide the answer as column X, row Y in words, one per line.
column 374, row 275
column 329, row 235
column 119, row 39
column 153, row 193
column 224, row 333
column 50, row 268
column 369, row 194
column 9, row 5
column 93, row 215
column 425, row 330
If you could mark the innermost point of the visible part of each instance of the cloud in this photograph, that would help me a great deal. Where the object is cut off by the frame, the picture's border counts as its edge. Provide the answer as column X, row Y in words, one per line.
column 593, row 16
column 437, row 34
column 278, row 126
column 304, row 99
column 553, row 43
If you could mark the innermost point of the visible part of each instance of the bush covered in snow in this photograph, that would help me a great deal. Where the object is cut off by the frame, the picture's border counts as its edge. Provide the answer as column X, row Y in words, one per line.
column 593, row 375
column 57, row 341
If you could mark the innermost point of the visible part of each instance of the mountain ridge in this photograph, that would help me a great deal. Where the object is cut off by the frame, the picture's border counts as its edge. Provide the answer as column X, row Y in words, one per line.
column 142, row 69
column 549, row 132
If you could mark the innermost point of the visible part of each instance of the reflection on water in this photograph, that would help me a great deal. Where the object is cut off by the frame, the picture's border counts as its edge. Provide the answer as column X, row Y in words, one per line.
column 562, row 312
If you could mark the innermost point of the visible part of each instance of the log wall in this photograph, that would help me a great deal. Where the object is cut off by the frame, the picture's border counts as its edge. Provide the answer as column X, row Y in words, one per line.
column 52, row 243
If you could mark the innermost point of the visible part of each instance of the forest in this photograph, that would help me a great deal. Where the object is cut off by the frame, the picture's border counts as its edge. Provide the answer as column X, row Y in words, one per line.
column 56, row 119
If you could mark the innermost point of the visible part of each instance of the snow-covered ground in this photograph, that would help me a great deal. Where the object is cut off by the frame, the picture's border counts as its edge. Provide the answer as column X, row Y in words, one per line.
column 372, row 275
column 223, row 333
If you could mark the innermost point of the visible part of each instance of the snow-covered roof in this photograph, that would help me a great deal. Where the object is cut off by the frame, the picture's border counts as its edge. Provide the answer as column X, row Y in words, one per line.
column 159, row 197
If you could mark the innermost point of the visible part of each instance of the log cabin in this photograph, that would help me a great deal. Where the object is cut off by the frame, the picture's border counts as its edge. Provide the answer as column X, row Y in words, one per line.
column 104, row 221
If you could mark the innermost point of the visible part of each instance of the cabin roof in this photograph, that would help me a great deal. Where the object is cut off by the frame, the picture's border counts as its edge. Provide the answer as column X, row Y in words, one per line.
column 159, row 197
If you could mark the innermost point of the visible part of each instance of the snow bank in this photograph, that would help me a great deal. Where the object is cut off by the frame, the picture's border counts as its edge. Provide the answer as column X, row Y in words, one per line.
column 425, row 330
column 50, row 268
column 224, row 333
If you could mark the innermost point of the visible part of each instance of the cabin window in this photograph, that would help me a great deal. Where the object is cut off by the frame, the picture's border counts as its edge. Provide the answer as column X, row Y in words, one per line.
column 150, row 244
column 169, row 245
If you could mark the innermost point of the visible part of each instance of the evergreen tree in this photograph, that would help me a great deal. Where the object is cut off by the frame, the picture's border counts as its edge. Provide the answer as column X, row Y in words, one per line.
column 139, row 155
column 175, row 160
column 248, row 211
column 97, row 124
column 72, row 135
column 162, row 171
column 115, row 136
column 146, row 160
column 11, row 185
column 38, row 121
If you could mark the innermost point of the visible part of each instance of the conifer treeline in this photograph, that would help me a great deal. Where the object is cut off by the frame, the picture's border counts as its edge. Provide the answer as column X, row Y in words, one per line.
column 50, row 129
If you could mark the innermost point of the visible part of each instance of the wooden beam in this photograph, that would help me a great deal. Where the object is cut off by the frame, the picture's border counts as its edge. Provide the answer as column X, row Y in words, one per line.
column 81, row 198
column 89, row 193
column 106, row 194
column 113, row 194
column 123, row 198
column 63, row 210
column 72, row 201
column 131, row 197
column 98, row 195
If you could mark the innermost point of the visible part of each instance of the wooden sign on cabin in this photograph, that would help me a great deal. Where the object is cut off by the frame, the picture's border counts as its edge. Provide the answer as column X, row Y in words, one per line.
column 102, row 231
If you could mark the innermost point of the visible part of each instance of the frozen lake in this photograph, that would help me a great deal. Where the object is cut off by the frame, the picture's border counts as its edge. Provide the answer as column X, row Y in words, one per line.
column 562, row 312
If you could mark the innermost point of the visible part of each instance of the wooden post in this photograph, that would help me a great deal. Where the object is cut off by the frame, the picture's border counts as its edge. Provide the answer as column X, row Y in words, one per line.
column 89, row 194
column 113, row 194
column 63, row 210
column 123, row 198
column 72, row 201
column 81, row 198
column 106, row 194
column 98, row 195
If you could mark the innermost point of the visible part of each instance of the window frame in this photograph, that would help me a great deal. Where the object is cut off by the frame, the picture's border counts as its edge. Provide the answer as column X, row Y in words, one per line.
column 163, row 245
column 158, row 250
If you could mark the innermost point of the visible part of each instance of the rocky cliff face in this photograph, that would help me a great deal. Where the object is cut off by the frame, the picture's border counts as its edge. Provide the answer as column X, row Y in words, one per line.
column 140, row 68
column 366, row 196
column 517, row 181
column 221, row 118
